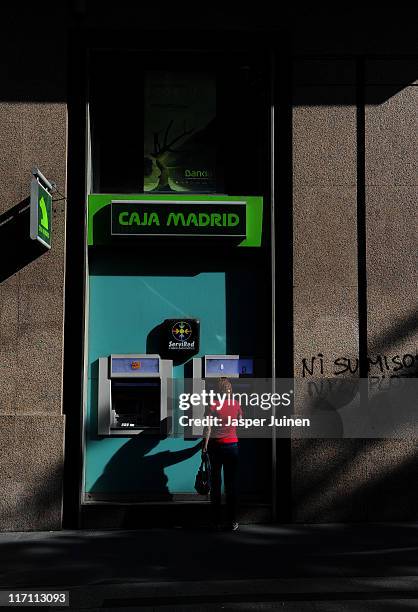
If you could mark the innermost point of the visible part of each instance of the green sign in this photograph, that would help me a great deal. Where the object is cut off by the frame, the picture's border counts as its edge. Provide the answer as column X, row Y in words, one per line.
column 143, row 218
column 113, row 217
column 40, row 214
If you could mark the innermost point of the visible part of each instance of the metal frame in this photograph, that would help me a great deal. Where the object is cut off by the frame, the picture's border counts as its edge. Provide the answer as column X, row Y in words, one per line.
column 85, row 373
column 273, row 279
column 273, row 186
column 38, row 174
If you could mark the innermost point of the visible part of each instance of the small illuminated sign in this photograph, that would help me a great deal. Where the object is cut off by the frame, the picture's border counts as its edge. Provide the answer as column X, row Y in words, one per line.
column 181, row 337
column 40, row 214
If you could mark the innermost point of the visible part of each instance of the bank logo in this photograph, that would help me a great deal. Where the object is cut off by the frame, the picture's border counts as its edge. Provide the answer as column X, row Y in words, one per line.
column 181, row 331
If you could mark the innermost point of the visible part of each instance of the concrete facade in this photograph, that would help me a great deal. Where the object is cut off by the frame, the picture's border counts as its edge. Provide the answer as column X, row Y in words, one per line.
column 354, row 480
column 32, row 318
column 33, row 132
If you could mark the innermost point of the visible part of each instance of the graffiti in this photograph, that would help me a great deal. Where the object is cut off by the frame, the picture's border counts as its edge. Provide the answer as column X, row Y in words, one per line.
column 328, row 388
column 378, row 365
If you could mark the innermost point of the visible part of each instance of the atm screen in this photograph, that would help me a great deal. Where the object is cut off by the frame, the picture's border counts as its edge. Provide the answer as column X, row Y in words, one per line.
column 136, row 404
column 136, row 365
column 222, row 367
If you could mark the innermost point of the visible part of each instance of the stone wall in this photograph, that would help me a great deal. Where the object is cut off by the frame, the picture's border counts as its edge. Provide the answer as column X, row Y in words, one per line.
column 342, row 161
column 33, row 132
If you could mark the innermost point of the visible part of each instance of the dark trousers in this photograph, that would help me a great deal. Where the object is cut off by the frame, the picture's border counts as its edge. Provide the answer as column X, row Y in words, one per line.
column 224, row 456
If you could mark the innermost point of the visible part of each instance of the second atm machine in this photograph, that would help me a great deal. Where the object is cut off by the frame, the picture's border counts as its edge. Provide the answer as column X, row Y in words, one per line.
column 209, row 368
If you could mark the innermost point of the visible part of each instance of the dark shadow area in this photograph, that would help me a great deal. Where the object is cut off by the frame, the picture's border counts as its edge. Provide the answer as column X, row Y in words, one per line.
column 75, row 266
column 92, row 423
column 282, row 262
column 40, row 498
column 155, row 340
column 319, row 32
column 137, row 473
column 22, row 82
column 17, row 249
column 102, row 558
column 391, row 496
column 362, row 276
column 242, row 91
column 255, row 469
column 403, row 328
column 390, row 419
column 140, row 260
column 331, row 94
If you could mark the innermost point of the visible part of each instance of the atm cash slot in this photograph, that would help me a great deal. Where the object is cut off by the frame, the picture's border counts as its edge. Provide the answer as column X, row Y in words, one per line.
column 135, row 404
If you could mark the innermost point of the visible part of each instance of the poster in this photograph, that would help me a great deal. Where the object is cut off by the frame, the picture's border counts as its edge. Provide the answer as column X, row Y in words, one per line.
column 180, row 132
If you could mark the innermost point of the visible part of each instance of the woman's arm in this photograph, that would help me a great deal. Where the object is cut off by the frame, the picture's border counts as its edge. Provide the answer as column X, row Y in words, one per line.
column 206, row 436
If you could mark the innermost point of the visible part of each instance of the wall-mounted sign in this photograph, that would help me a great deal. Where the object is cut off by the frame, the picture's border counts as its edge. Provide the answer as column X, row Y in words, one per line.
column 40, row 213
column 181, row 337
column 113, row 219
column 143, row 218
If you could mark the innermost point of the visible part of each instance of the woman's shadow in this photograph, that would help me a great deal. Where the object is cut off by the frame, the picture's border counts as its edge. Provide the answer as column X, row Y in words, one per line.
column 133, row 472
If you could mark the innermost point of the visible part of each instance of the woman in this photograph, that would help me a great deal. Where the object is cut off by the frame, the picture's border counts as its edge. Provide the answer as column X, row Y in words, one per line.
column 221, row 443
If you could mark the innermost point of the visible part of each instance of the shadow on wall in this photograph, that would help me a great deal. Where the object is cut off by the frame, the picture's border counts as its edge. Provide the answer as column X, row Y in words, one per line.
column 320, row 92
column 17, row 249
column 134, row 468
column 33, row 505
column 404, row 328
column 389, row 493
column 388, row 489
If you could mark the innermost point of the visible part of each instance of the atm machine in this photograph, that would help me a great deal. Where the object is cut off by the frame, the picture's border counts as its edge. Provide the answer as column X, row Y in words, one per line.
column 133, row 394
column 208, row 369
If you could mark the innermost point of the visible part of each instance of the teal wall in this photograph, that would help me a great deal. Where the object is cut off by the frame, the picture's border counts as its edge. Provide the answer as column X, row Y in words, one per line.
column 125, row 305
column 123, row 310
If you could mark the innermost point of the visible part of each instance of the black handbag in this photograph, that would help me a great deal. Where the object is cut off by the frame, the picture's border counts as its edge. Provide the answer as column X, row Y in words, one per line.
column 202, row 482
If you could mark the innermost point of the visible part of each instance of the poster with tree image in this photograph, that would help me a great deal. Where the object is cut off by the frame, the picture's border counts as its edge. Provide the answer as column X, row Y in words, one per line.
column 180, row 132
